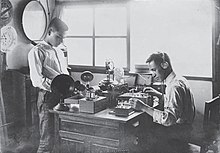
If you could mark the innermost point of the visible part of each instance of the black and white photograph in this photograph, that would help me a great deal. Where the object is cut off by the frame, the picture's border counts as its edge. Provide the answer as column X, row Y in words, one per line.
column 110, row 76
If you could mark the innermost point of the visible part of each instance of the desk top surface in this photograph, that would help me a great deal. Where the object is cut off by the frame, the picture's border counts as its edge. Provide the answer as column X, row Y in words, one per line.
column 102, row 115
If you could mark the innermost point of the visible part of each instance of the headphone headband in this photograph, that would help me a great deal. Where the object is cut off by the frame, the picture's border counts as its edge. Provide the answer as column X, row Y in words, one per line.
column 163, row 57
column 164, row 64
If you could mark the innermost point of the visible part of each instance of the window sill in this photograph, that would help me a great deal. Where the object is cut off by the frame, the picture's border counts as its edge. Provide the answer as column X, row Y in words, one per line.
column 93, row 69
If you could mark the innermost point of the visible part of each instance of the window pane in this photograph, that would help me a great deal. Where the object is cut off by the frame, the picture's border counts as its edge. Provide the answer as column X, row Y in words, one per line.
column 79, row 51
column 79, row 20
column 181, row 28
column 110, row 21
column 114, row 49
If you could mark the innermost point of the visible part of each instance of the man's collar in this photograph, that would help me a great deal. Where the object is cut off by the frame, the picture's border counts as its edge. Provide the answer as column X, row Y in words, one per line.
column 46, row 45
column 169, row 78
column 44, row 42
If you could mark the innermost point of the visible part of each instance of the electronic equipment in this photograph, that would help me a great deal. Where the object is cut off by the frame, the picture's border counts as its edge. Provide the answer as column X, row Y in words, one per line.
column 143, row 79
column 145, row 97
column 123, row 109
column 141, row 68
column 91, row 103
column 164, row 63
column 108, row 81
column 87, row 77
column 109, row 66
column 62, row 85
column 92, row 106
column 130, row 80
column 73, row 99
column 77, row 94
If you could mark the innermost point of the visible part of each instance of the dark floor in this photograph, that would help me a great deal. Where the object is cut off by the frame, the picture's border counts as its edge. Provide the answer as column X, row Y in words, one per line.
column 25, row 146
column 26, row 141
column 21, row 140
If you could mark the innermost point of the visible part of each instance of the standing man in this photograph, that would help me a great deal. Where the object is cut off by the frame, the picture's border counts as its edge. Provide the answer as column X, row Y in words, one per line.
column 46, row 62
column 175, row 120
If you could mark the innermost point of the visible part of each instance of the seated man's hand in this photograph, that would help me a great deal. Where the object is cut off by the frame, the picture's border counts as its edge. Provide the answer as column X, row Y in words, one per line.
column 136, row 104
column 152, row 91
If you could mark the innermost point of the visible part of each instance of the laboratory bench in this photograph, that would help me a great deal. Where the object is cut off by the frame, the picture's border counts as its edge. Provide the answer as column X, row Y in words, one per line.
column 102, row 132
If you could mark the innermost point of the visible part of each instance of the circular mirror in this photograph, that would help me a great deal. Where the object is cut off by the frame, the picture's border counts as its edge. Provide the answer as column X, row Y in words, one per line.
column 34, row 20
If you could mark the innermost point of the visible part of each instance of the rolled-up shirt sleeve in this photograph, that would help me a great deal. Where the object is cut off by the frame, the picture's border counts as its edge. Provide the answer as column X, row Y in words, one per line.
column 165, row 117
column 35, row 60
column 173, row 107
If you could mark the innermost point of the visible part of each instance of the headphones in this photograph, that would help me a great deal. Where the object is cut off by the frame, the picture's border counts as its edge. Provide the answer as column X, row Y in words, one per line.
column 49, row 31
column 164, row 64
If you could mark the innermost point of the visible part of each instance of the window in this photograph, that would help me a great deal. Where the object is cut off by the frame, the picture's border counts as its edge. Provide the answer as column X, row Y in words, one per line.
column 127, row 33
column 181, row 28
column 96, row 33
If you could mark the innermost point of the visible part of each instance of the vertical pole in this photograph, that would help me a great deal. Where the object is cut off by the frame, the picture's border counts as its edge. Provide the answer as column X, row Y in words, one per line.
column 216, row 48
column 3, row 129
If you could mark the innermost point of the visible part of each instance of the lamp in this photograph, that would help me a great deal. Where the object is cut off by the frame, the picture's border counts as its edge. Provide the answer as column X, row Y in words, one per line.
column 87, row 77
column 107, row 82
column 79, row 89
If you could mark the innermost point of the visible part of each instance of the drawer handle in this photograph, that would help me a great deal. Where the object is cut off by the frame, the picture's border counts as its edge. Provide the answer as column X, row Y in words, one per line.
column 136, row 141
column 136, row 124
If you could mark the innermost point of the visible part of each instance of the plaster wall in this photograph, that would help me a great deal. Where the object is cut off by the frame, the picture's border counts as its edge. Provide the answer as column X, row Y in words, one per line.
column 17, row 58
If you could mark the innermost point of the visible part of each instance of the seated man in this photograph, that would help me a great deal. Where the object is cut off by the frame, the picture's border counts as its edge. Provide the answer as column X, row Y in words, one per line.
column 175, row 120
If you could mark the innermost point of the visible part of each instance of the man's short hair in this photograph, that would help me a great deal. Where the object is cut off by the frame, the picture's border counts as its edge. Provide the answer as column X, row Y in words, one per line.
column 58, row 25
column 158, row 58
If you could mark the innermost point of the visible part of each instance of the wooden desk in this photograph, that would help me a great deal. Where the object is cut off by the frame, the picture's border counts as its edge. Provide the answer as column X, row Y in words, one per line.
column 96, row 133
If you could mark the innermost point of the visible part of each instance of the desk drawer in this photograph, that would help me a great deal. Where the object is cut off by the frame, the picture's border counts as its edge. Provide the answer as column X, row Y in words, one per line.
column 96, row 148
column 133, row 126
column 72, row 146
column 90, row 120
column 89, row 139
column 90, row 129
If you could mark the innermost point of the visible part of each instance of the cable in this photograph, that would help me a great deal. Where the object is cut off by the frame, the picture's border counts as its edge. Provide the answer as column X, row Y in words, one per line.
column 48, row 9
column 142, row 77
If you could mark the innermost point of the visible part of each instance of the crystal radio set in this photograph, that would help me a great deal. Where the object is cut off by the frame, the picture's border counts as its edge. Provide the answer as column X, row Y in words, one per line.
column 124, row 108
column 88, row 102
column 84, row 98
column 91, row 103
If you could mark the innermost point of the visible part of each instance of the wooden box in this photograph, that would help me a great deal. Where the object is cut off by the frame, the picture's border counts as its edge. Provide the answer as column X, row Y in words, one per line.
column 72, row 100
column 92, row 106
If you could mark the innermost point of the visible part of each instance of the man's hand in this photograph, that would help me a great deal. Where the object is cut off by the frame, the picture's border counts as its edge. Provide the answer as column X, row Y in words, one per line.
column 152, row 91
column 136, row 104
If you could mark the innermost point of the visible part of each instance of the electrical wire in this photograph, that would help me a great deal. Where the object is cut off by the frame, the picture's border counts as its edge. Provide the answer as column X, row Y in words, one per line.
column 48, row 9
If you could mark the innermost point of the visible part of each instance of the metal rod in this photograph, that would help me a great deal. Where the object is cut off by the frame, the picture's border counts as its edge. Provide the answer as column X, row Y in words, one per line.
column 6, row 124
